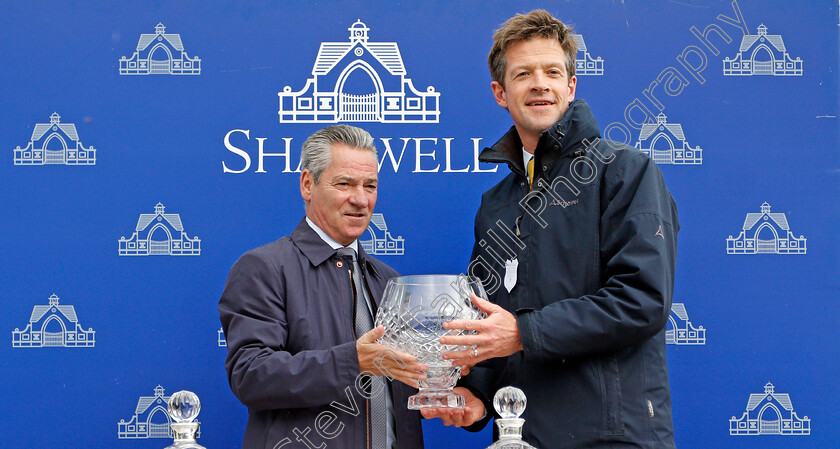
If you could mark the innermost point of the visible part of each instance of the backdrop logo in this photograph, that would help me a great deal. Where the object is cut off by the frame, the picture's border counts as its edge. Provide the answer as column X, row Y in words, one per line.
column 150, row 420
column 359, row 81
column 680, row 331
column 766, row 233
column 378, row 241
column 160, row 54
column 159, row 234
column 769, row 413
column 762, row 54
column 222, row 342
column 55, row 143
column 53, row 325
column 665, row 143
column 672, row 80
column 584, row 63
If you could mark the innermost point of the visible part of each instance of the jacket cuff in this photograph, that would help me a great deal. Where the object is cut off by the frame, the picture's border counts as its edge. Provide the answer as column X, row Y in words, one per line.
column 348, row 362
column 526, row 319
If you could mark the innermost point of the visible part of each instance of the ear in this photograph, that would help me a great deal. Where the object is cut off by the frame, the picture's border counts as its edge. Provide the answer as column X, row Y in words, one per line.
column 499, row 94
column 572, row 88
column 306, row 183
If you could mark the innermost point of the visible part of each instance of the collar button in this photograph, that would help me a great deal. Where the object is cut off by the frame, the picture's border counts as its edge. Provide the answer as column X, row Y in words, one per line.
column 339, row 264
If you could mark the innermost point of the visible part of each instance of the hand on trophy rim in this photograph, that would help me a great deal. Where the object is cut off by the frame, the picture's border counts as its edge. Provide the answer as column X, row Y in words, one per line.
column 384, row 361
column 458, row 417
column 495, row 336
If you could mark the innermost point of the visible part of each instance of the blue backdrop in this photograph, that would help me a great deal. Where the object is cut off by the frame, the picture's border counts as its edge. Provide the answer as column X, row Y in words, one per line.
column 133, row 179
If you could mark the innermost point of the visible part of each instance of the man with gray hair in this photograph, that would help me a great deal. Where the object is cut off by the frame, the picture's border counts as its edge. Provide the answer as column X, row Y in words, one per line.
column 298, row 313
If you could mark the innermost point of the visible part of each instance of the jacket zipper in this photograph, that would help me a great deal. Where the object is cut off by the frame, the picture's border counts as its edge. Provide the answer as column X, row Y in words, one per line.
column 353, row 301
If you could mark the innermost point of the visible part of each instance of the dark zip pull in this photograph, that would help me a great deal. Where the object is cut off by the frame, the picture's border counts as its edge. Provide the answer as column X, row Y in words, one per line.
column 353, row 299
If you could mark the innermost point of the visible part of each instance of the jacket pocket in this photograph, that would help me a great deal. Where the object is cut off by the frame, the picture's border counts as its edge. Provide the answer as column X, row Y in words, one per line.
column 612, row 421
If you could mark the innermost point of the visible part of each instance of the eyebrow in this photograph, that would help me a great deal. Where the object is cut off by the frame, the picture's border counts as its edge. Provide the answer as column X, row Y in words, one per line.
column 341, row 178
column 560, row 65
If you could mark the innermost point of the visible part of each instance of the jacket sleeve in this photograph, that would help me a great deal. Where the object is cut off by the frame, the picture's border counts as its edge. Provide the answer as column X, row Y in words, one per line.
column 638, row 246
column 262, row 373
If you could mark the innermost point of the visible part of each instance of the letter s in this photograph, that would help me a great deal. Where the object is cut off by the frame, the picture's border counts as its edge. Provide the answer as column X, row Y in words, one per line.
column 240, row 152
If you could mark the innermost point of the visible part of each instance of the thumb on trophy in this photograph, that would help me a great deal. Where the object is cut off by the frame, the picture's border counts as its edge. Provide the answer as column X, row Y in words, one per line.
column 372, row 335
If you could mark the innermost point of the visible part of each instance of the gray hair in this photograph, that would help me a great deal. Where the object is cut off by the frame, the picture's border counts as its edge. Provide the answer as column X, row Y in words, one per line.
column 316, row 154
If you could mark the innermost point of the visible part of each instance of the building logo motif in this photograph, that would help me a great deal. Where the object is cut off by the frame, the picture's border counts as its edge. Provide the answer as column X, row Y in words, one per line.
column 680, row 331
column 359, row 81
column 584, row 63
column 53, row 325
column 150, row 420
column 769, row 413
column 221, row 339
column 378, row 241
column 55, row 143
column 762, row 54
column 665, row 143
column 766, row 233
column 159, row 234
column 160, row 54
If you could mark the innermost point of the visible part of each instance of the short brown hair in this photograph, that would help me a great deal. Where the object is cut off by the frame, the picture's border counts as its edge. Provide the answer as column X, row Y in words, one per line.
column 537, row 23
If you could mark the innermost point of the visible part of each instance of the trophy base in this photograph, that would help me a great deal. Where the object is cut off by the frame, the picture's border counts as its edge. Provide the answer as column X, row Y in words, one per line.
column 443, row 399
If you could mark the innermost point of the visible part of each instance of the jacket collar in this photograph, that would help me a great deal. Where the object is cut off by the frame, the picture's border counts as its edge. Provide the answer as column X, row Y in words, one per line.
column 317, row 250
column 563, row 139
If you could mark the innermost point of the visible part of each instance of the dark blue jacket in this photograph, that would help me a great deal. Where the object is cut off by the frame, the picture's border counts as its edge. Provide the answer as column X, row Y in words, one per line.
column 287, row 314
column 596, row 247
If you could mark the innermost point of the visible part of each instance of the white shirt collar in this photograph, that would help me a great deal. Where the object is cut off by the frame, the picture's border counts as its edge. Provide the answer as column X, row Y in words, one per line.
column 526, row 156
column 329, row 240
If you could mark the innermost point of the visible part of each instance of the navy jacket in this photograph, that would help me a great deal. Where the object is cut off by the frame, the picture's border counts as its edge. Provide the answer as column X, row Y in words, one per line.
column 287, row 314
column 596, row 247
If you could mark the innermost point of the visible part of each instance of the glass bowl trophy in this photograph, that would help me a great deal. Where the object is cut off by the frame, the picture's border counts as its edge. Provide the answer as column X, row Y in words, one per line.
column 413, row 310
column 509, row 403
column 183, row 408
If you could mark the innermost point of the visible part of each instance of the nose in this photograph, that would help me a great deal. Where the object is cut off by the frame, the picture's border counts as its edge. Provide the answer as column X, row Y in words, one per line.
column 358, row 197
column 539, row 82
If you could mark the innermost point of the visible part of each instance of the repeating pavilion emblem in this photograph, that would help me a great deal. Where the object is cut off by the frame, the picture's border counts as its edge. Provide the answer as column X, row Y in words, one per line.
column 159, row 234
column 665, row 143
column 769, row 413
column 766, row 233
column 221, row 338
column 359, row 81
column 160, row 53
column 55, row 143
column 585, row 64
column 378, row 241
column 762, row 54
column 680, row 331
column 53, row 325
column 150, row 419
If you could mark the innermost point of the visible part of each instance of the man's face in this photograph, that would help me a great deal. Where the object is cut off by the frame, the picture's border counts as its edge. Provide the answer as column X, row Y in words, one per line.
column 537, row 89
column 342, row 202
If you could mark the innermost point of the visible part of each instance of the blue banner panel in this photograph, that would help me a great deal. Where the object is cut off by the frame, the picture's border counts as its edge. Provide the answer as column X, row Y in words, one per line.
column 149, row 144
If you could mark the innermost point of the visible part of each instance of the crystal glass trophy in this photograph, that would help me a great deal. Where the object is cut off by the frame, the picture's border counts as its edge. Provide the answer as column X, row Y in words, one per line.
column 509, row 403
column 183, row 408
column 413, row 310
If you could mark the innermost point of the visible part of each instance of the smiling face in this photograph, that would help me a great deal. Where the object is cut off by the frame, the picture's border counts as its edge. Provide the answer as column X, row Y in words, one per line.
column 537, row 89
column 342, row 202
